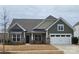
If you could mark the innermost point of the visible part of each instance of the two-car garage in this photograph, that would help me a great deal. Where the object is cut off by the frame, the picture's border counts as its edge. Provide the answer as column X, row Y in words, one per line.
column 60, row 38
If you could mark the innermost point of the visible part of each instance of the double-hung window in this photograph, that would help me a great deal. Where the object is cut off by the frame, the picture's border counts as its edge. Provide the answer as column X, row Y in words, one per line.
column 60, row 27
column 16, row 37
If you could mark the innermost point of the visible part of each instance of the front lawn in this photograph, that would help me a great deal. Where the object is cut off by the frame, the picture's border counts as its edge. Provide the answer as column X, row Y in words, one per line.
column 29, row 47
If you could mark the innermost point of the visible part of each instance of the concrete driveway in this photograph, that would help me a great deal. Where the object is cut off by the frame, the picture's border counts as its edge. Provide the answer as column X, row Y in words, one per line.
column 69, row 49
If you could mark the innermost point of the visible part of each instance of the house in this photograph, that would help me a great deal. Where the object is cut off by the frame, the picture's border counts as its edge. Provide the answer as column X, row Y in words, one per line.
column 2, row 37
column 76, row 29
column 50, row 30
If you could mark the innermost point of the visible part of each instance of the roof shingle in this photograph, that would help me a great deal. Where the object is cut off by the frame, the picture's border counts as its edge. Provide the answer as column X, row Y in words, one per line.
column 31, row 24
column 28, row 24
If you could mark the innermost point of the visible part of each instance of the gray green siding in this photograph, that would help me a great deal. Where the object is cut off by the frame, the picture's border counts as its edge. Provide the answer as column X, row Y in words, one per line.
column 67, row 29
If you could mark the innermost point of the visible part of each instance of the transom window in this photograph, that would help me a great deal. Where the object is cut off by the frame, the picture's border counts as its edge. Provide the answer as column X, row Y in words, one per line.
column 60, row 27
column 16, row 37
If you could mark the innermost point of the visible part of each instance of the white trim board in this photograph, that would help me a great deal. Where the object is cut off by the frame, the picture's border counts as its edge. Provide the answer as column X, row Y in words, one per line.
column 60, row 34
column 18, row 25
column 16, row 32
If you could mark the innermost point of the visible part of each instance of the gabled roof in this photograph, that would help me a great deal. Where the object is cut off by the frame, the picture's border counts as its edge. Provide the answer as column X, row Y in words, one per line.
column 16, row 24
column 76, row 24
column 51, row 17
column 27, row 24
column 34, row 24
column 47, row 22
column 59, row 20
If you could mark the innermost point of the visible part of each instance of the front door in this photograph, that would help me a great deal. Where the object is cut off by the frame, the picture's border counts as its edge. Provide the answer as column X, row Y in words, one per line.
column 27, row 38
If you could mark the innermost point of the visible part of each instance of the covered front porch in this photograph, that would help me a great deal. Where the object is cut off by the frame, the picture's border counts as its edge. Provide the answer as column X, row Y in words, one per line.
column 38, row 37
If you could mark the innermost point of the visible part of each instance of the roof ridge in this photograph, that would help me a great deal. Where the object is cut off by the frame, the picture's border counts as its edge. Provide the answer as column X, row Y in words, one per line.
column 25, row 18
column 50, row 17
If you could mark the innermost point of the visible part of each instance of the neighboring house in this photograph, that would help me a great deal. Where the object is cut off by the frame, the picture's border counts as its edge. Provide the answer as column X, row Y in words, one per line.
column 2, row 37
column 76, row 30
column 43, row 31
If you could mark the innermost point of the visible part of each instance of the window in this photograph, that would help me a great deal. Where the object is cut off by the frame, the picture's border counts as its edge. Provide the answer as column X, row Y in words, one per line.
column 67, row 35
column 57, row 35
column 16, row 37
column 60, row 27
column 62, row 35
column 52, row 35
column 38, row 37
column 0, row 41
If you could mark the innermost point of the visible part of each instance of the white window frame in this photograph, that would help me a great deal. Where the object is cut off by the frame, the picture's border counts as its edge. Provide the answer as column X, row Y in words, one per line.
column 61, row 25
column 12, row 37
column 16, row 37
column 19, row 37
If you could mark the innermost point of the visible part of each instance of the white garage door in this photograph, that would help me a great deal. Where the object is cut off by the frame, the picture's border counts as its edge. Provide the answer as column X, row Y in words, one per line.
column 60, row 38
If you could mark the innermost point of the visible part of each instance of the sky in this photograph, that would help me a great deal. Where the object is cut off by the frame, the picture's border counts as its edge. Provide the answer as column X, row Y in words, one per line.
column 69, row 12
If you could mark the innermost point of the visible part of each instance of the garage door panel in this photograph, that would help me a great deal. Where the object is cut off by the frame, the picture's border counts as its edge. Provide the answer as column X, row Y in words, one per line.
column 60, row 40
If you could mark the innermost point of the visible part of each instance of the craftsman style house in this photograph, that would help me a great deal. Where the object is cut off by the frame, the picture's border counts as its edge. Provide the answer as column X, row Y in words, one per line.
column 50, row 30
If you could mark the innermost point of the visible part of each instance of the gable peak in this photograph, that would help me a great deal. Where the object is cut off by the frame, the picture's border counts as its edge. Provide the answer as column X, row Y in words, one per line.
column 50, row 17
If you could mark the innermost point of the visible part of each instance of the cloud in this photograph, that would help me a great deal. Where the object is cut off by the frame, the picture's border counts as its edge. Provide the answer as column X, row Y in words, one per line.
column 70, row 13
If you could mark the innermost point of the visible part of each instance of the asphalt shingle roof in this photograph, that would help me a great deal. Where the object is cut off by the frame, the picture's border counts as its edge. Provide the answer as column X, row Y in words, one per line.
column 46, row 24
column 27, row 24
column 31, row 24
column 48, row 21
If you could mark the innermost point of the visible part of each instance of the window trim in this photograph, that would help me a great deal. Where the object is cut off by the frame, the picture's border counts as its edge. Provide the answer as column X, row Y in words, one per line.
column 16, row 38
column 60, row 26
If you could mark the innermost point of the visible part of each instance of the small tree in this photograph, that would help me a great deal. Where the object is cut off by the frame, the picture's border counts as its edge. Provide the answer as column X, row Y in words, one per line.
column 5, row 22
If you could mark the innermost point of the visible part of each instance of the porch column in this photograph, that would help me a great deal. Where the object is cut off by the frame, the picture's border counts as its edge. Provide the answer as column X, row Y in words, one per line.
column 46, row 36
column 31, row 36
column 24, row 36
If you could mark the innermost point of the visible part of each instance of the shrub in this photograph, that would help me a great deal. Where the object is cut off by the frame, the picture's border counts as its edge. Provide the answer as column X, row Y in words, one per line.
column 74, row 40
